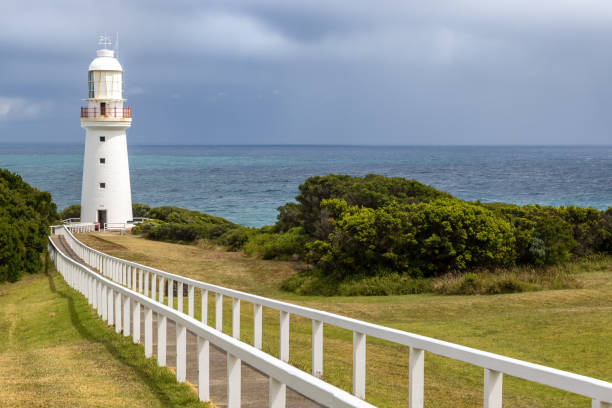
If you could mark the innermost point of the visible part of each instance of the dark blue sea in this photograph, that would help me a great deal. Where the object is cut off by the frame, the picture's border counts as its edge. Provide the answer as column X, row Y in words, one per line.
column 246, row 184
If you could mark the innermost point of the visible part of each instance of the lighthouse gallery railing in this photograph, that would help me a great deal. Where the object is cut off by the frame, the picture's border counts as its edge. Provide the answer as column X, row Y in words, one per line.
column 141, row 278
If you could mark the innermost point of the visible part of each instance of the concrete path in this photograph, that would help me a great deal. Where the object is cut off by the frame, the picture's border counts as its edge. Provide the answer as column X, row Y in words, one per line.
column 254, row 384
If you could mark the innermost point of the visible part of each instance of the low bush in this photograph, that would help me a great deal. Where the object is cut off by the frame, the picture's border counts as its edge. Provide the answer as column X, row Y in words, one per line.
column 317, row 282
column 25, row 216
column 276, row 246
column 524, row 279
column 72, row 211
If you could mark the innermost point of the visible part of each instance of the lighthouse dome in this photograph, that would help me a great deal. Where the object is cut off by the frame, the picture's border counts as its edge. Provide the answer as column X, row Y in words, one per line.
column 105, row 61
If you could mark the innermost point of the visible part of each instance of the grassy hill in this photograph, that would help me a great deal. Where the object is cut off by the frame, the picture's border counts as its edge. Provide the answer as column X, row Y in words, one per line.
column 56, row 353
column 566, row 329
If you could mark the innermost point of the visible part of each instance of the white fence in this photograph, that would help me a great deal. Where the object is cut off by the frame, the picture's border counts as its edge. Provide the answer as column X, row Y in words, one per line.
column 141, row 278
column 80, row 227
column 121, row 307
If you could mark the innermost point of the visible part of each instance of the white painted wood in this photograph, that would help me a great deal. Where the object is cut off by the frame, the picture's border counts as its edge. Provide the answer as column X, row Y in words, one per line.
column 104, row 307
column 118, row 324
column 219, row 312
column 416, row 384
column 190, row 301
column 141, row 279
column 181, row 352
column 203, row 369
column 359, row 364
column 136, row 322
column 278, row 394
column 126, row 316
column 600, row 404
column 161, row 289
column 317, row 348
column 110, row 304
column 153, row 286
column 148, row 332
column 179, row 297
column 284, row 336
column 146, row 283
column 204, row 306
column 171, row 293
column 162, row 331
column 236, row 318
column 492, row 389
column 233, row 381
column 257, row 325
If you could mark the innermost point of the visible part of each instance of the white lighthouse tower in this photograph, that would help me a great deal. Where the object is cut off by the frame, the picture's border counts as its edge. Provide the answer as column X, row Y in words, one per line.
column 106, row 196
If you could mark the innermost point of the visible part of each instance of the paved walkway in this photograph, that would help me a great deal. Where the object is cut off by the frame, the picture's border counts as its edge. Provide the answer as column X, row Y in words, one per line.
column 254, row 383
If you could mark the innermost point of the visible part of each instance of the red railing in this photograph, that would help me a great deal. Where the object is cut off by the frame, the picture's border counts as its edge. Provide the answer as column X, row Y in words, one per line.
column 106, row 112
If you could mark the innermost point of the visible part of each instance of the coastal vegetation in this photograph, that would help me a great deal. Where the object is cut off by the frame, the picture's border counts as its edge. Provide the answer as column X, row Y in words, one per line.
column 376, row 235
column 25, row 216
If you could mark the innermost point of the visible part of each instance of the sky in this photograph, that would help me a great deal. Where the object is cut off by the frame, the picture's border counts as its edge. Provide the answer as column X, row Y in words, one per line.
column 466, row 72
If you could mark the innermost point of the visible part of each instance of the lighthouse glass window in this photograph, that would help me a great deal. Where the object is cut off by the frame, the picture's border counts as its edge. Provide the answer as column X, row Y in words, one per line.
column 91, row 84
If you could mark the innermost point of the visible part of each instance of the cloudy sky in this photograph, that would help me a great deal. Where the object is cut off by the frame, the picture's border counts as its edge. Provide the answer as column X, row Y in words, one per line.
column 316, row 71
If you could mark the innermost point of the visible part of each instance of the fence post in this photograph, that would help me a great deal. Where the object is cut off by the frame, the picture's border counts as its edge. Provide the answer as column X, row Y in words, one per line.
column 416, row 379
column 492, row 388
column 146, row 283
column 171, row 293
column 190, row 305
column 236, row 318
column 161, row 290
column 219, row 311
column 179, row 296
column 104, row 300
column 233, row 381
column 284, row 336
column 148, row 337
column 136, row 322
column 278, row 394
column 126, row 316
column 118, row 325
column 109, row 304
column 153, row 286
column 257, row 325
column 162, row 325
column 181, row 345
column 203, row 369
column 204, row 306
column 359, row 366
column 317, row 348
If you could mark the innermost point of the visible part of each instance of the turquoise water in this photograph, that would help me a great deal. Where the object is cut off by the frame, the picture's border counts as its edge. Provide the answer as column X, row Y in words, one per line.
column 247, row 183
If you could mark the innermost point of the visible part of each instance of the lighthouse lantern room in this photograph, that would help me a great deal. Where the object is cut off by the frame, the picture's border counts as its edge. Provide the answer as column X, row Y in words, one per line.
column 105, row 194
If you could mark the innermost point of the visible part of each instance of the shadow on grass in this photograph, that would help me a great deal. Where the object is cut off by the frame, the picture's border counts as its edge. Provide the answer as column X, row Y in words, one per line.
column 119, row 355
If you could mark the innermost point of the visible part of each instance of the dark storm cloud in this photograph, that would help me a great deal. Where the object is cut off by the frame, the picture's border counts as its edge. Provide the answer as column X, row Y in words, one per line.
column 361, row 72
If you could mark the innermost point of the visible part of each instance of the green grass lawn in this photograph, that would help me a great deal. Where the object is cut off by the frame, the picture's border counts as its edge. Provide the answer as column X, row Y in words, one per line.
column 55, row 352
column 566, row 329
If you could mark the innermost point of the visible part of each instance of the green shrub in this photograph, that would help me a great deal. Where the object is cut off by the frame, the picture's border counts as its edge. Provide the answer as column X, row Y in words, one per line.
column 141, row 210
column 423, row 239
column 72, row 211
column 25, row 216
column 372, row 191
column 279, row 246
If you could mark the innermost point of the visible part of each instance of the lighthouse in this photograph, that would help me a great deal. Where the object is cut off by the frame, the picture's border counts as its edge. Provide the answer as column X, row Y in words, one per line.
column 106, row 195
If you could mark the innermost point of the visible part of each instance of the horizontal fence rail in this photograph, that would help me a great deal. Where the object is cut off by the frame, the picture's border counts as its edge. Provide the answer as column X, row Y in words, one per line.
column 119, row 305
column 137, row 277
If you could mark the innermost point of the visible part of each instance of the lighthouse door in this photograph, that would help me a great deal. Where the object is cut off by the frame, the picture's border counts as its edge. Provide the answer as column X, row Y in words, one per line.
column 102, row 218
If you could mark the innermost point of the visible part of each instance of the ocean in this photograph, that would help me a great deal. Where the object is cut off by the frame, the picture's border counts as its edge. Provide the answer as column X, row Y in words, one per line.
column 246, row 184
